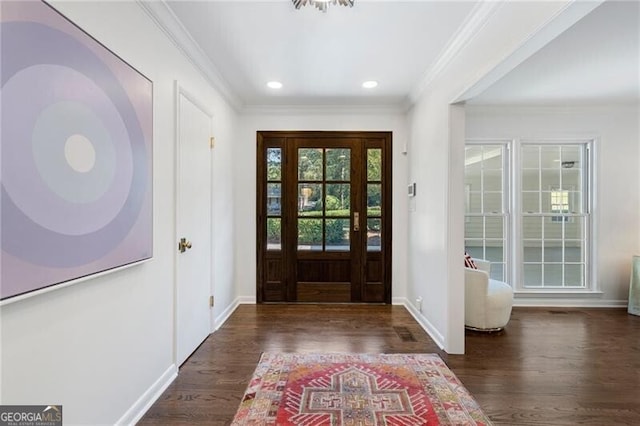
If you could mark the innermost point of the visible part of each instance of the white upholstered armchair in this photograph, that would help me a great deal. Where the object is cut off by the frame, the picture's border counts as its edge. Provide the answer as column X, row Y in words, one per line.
column 487, row 302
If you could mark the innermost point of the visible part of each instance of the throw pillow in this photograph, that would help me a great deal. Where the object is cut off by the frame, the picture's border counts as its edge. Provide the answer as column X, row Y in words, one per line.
column 468, row 261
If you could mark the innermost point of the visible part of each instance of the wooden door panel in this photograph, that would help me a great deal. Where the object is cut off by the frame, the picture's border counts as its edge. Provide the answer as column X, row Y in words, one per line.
column 326, row 216
column 323, row 292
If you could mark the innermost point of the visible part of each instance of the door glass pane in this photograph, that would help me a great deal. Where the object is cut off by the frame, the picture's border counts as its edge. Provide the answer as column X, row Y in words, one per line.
column 339, row 164
column 374, row 234
column 310, row 199
column 374, row 164
column 310, row 164
column 374, row 199
column 338, row 199
column 274, row 234
column 310, row 234
column 274, row 163
column 337, row 234
column 274, row 193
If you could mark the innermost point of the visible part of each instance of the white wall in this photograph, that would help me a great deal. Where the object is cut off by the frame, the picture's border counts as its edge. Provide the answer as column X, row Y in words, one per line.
column 436, row 159
column 617, row 202
column 99, row 346
column 314, row 119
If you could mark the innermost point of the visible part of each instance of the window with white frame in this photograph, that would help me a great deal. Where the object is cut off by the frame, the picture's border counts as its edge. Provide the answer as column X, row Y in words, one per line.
column 550, row 232
column 555, row 216
column 486, row 207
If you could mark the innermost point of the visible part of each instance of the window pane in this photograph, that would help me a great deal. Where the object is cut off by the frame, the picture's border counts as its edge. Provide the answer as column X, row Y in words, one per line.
column 337, row 234
column 530, row 202
column 274, row 191
column 573, row 275
column 310, row 199
column 473, row 227
column 573, row 229
column 274, row 234
column 274, row 163
column 474, row 248
column 492, row 157
column 310, row 234
column 338, row 199
column 493, row 227
column 552, row 275
column 339, row 164
column 492, row 180
column 549, row 156
column 532, row 227
column 553, row 252
column 475, row 202
column 571, row 179
column 532, row 275
column 551, row 179
column 494, row 251
column 530, row 157
column 532, row 251
column 374, row 199
column 374, row 164
column 492, row 202
column 531, row 180
column 374, row 234
column 310, row 164
column 573, row 251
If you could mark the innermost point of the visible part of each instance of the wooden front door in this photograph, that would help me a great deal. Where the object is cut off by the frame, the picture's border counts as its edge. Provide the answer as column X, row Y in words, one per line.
column 324, row 217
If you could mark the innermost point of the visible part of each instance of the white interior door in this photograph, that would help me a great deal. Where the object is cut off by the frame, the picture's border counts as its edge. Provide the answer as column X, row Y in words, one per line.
column 193, row 223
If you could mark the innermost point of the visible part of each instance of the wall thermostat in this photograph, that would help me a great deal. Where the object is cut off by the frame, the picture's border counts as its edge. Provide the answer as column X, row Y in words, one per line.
column 411, row 189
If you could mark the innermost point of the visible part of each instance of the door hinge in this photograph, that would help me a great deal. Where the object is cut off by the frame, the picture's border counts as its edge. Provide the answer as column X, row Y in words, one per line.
column 212, row 142
column 211, row 301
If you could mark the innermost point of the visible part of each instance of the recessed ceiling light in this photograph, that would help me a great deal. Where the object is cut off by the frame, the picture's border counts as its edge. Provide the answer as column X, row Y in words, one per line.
column 274, row 85
column 369, row 84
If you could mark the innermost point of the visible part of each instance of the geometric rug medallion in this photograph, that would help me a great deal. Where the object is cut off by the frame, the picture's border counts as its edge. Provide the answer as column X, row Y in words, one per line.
column 356, row 390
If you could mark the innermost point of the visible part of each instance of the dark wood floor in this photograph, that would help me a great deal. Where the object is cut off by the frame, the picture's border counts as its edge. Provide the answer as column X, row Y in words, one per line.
column 549, row 366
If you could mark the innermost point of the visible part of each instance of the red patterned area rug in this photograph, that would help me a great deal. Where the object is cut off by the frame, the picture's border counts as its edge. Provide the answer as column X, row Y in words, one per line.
column 356, row 390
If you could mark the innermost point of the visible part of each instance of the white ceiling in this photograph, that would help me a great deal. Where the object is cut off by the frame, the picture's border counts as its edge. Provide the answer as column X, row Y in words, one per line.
column 323, row 58
column 597, row 60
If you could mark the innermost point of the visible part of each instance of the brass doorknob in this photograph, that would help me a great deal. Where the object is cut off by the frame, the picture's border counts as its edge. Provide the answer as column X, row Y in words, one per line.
column 183, row 245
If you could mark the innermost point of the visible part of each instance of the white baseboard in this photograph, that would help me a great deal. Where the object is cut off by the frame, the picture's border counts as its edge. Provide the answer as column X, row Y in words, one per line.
column 246, row 300
column 424, row 323
column 146, row 400
column 224, row 316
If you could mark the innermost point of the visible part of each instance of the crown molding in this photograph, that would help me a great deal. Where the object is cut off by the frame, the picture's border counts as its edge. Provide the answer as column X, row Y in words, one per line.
column 474, row 22
column 387, row 109
column 169, row 23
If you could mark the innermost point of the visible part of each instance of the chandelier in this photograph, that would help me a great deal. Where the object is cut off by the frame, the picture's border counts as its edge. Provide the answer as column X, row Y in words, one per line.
column 322, row 4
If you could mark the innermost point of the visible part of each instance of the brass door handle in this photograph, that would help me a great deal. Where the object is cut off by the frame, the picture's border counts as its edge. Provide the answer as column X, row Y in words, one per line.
column 183, row 245
column 356, row 221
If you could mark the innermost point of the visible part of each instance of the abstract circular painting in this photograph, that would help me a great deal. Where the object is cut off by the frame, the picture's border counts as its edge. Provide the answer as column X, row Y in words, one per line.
column 76, row 133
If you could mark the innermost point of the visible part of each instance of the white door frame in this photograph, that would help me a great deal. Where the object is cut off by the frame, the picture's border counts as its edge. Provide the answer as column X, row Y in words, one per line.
column 180, row 90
